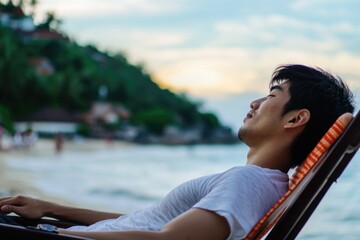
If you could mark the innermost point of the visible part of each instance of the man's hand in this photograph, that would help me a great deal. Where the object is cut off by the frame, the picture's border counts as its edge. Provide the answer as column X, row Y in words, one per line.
column 32, row 208
column 26, row 207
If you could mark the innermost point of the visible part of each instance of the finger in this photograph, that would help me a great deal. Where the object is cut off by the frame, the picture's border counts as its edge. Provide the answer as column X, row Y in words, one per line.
column 10, row 205
column 17, row 200
column 4, row 198
column 12, row 209
column 10, row 201
column 7, row 209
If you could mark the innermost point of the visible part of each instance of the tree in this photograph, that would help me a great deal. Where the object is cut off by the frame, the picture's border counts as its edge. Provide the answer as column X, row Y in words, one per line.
column 210, row 120
column 33, row 4
column 52, row 22
column 155, row 120
column 79, row 72
column 6, row 119
column 15, row 74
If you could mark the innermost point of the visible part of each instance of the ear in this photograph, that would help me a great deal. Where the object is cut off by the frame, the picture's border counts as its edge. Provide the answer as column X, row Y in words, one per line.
column 297, row 118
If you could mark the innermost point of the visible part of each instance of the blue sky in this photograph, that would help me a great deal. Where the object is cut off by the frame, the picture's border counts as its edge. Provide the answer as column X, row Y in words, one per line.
column 222, row 52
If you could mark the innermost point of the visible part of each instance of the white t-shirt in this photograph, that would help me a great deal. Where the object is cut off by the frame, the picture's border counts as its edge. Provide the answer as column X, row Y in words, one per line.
column 242, row 195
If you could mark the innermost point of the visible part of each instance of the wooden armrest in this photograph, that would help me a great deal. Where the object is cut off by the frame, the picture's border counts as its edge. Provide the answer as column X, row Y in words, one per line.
column 32, row 222
column 19, row 232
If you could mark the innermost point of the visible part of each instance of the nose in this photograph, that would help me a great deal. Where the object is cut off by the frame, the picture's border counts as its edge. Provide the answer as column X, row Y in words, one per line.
column 256, row 103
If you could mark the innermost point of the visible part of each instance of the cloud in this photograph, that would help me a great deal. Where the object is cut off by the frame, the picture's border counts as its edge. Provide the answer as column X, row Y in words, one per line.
column 91, row 8
column 153, row 38
column 312, row 4
column 116, row 38
column 216, row 54
column 213, row 72
column 280, row 30
column 208, row 78
column 242, row 56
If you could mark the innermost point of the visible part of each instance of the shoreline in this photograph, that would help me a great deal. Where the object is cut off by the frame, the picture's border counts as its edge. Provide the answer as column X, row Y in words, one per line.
column 48, row 147
column 15, row 181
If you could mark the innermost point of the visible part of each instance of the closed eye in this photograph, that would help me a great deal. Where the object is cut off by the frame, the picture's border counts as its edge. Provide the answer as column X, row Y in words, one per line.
column 270, row 96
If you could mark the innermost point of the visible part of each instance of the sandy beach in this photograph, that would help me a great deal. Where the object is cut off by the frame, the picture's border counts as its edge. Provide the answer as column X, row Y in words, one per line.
column 17, row 182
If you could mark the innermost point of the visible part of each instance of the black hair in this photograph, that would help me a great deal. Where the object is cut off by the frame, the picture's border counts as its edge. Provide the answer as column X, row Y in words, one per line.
column 326, row 97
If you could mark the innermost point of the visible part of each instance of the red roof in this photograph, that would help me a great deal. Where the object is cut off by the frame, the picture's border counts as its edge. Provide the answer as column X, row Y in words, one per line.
column 17, row 12
column 53, row 114
column 46, row 34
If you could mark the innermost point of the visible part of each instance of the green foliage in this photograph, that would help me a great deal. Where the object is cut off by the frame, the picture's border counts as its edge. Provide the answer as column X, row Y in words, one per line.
column 17, row 78
column 5, row 119
column 78, row 74
column 155, row 120
column 210, row 120
column 83, row 130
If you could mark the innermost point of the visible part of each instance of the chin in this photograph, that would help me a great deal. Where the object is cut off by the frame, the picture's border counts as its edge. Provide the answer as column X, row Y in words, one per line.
column 241, row 133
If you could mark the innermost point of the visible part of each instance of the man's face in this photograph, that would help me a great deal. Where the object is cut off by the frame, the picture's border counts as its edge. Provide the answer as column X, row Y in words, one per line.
column 265, row 119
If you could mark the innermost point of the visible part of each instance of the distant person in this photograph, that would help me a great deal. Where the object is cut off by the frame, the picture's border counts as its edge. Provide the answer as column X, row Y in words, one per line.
column 59, row 142
column 18, row 140
column 280, row 129
column 29, row 138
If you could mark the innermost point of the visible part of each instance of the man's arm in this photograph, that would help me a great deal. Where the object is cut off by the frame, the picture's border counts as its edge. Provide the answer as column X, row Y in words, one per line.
column 195, row 224
column 34, row 209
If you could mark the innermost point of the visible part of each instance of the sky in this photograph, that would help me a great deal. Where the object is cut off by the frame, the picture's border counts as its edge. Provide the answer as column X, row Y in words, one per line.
column 220, row 53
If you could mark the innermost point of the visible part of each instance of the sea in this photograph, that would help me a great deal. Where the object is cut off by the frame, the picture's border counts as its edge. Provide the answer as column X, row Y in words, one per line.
column 123, row 179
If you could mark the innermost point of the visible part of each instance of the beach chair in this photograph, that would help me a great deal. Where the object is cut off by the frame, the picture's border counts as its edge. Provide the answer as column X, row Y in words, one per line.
column 285, row 219
column 311, row 181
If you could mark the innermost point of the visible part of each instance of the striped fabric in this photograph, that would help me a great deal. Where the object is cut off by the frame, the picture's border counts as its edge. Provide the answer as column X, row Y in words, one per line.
column 274, row 214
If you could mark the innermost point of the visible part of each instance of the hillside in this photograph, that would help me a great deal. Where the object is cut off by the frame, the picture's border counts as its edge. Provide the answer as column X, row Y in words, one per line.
column 42, row 68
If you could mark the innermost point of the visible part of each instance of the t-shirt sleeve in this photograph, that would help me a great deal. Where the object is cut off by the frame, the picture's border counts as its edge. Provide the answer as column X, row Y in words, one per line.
column 242, row 198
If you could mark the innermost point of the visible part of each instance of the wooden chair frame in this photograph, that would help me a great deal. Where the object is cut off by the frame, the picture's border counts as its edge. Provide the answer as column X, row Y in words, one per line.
column 325, row 174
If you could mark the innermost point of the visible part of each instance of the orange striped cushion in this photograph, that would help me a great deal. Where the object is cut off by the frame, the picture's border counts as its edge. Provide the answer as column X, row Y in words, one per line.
column 327, row 140
column 264, row 225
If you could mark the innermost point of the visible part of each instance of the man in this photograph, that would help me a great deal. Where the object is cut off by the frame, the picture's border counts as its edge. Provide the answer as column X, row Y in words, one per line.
column 280, row 130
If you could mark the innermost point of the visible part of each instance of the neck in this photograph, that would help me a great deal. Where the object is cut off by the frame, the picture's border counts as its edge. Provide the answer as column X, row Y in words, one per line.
column 270, row 156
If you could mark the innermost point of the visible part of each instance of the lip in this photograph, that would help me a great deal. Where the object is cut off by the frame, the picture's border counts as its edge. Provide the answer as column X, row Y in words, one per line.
column 248, row 116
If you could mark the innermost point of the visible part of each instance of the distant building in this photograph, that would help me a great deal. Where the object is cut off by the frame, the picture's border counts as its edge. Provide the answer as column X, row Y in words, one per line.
column 46, row 34
column 42, row 65
column 104, row 114
column 14, row 17
column 50, row 121
column 107, row 113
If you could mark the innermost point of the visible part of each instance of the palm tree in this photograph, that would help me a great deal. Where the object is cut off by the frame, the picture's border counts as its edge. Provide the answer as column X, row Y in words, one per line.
column 33, row 4
column 51, row 22
column 9, row 6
